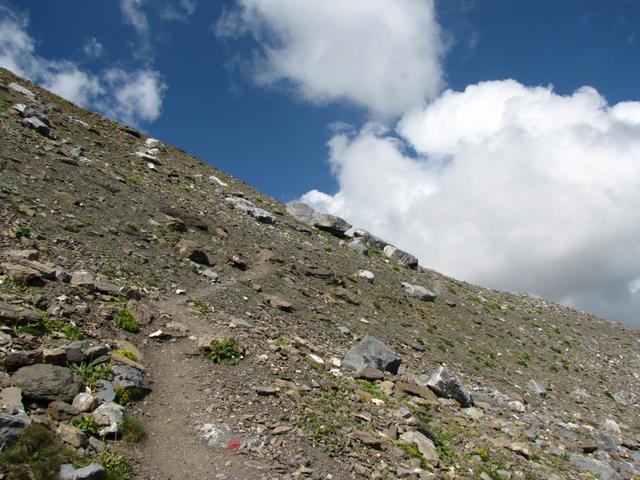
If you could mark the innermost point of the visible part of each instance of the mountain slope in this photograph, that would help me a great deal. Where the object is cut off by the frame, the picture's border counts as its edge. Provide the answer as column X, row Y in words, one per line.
column 88, row 194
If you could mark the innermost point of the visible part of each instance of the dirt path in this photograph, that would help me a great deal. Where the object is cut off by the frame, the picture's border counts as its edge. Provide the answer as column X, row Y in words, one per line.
column 179, row 404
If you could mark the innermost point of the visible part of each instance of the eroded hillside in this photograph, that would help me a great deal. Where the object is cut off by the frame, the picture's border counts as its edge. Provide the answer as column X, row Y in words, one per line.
column 187, row 326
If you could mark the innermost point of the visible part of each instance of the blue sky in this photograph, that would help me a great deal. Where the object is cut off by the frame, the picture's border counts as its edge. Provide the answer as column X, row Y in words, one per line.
column 567, row 44
column 524, row 185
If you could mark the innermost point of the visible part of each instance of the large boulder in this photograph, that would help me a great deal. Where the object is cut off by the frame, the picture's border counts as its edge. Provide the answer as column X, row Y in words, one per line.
column 330, row 223
column 47, row 382
column 322, row 221
column 372, row 353
column 445, row 384
column 249, row 208
column 419, row 292
column 400, row 256
column 369, row 240
column 301, row 211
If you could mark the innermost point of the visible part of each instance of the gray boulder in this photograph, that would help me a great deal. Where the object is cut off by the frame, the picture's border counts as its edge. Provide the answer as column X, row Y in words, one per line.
column 20, row 89
column 359, row 246
column 249, row 208
column 625, row 398
column 93, row 471
column 322, row 221
column 369, row 240
column 36, row 124
column 416, row 291
column 445, row 384
column 330, row 223
column 371, row 352
column 301, row 211
column 107, row 392
column 125, row 376
column 47, row 382
column 400, row 256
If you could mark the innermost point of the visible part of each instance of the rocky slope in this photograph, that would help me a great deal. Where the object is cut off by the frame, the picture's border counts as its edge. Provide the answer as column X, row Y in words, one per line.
column 160, row 319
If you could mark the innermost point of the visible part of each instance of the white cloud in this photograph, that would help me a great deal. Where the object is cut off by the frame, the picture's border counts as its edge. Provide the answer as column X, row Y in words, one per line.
column 138, row 95
column 132, row 96
column 178, row 11
column 93, row 48
column 134, row 16
column 380, row 54
column 510, row 186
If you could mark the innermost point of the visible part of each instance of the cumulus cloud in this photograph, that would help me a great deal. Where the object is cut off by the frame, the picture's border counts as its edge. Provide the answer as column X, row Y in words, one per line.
column 93, row 48
column 132, row 96
column 138, row 95
column 379, row 54
column 508, row 186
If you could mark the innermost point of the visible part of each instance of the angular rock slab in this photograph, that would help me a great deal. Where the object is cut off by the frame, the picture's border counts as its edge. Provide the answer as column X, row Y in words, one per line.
column 400, row 256
column 249, row 208
column 371, row 352
column 419, row 292
column 93, row 471
column 445, row 384
column 48, row 382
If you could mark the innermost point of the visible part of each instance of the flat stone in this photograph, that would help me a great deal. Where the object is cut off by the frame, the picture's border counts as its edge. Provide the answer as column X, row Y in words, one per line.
column 72, row 435
column 54, row 356
column 425, row 446
column 602, row 469
column 370, row 374
column 249, row 208
column 47, row 382
column 17, row 314
column 419, row 292
column 59, row 410
column 15, row 360
column 265, row 391
column 279, row 303
column 93, row 471
column 419, row 391
column 22, row 90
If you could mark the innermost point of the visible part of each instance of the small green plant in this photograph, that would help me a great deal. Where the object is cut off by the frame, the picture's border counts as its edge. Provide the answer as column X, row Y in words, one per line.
column 377, row 306
column 118, row 467
column 153, row 282
column 131, row 228
column 133, row 430
column 327, row 247
column 92, row 374
column 200, row 305
column 126, row 395
column 223, row 352
column 127, row 354
column 126, row 321
column 87, row 424
column 21, row 232
column 72, row 228
column 411, row 450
